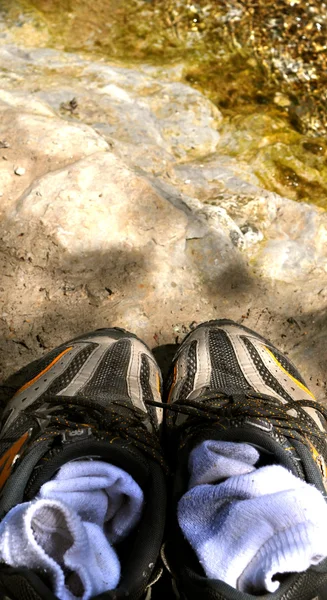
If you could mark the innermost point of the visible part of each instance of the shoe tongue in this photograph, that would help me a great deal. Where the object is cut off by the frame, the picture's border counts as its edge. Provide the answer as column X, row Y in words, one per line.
column 46, row 457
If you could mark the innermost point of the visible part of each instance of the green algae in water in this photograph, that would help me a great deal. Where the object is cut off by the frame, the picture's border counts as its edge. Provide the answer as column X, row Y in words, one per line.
column 262, row 64
column 283, row 160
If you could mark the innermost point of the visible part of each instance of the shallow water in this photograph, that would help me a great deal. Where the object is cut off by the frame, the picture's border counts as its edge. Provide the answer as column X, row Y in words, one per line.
column 263, row 64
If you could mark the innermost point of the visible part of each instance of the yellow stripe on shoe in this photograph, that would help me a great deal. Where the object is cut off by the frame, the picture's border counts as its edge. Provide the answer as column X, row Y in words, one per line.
column 296, row 381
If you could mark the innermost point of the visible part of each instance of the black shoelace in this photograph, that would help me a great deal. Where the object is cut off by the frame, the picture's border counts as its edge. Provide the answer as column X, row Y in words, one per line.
column 215, row 404
column 65, row 413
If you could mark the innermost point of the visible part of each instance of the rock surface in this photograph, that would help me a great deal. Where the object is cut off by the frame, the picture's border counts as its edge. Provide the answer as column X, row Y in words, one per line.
column 127, row 215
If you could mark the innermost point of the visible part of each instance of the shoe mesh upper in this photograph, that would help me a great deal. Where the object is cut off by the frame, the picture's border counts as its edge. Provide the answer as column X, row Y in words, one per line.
column 287, row 365
column 110, row 378
column 19, row 427
column 226, row 372
column 188, row 384
column 146, row 390
column 73, row 368
column 27, row 373
column 267, row 377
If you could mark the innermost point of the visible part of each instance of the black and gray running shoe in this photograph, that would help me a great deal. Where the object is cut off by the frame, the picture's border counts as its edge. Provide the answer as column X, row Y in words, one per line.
column 86, row 398
column 229, row 383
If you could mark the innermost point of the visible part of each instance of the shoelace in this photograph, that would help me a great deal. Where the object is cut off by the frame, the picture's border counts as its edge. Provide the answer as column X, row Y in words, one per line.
column 215, row 404
column 118, row 418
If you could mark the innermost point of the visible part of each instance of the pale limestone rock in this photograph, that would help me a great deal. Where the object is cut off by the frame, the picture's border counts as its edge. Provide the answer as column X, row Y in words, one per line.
column 21, row 100
column 97, row 202
column 128, row 106
column 127, row 216
column 38, row 144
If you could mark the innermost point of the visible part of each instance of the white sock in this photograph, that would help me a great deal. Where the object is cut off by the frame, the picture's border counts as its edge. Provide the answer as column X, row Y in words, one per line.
column 71, row 527
column 245, row 524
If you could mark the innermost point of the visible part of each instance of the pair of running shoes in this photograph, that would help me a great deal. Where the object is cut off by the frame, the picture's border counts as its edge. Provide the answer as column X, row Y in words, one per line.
column 101, row 395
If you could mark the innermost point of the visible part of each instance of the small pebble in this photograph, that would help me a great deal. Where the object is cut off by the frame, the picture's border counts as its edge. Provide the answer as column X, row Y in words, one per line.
column 20, row 171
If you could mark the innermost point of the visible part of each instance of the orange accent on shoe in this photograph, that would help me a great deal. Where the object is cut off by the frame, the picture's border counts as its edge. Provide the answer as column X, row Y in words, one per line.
column 7, row 460
column 29, row 383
